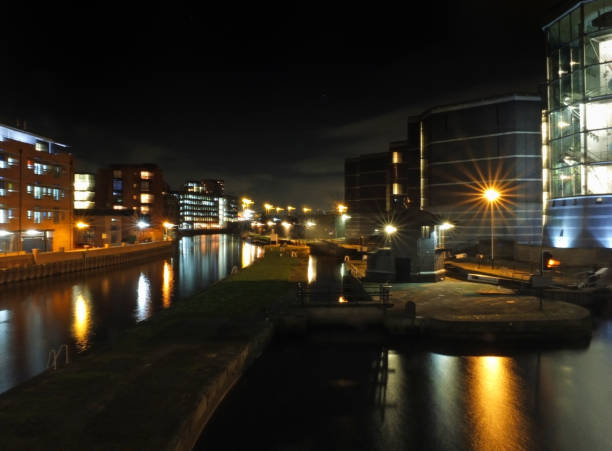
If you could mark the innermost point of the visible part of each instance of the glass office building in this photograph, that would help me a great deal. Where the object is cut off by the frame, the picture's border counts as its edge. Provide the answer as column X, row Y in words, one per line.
column 577, row 128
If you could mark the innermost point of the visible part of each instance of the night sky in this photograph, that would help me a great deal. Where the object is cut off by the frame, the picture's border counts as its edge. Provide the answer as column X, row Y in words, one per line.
column 270, row 99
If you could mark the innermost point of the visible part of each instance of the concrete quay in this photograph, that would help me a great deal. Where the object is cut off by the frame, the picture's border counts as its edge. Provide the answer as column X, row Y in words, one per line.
column 47, row 264
column 458, row 310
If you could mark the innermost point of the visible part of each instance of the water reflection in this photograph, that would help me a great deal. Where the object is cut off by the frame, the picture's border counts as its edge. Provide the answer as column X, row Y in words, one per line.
column 494, row 402
column 312, row 269
column 167, row 283
column 143, row 302
column 83, row 309
column 81, row 325
column 250, row 253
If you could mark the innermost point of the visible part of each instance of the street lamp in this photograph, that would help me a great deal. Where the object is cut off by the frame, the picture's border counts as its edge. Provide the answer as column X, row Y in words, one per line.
column 390, row 229
column 342, row 208
column 492, row 196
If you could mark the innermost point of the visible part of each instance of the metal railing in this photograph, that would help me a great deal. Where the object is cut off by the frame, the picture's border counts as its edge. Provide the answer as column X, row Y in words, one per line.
column 53, row 356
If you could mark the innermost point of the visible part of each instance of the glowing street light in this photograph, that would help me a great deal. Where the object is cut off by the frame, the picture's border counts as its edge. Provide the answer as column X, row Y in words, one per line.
column 246, row 202
column 81, row 225
column 286, row 225
column 492, row 196
column 342, row 208
column 289, row 208
column 446, row 226
column 268, row 207
column 306, row 210
column 142, row 225
column 279, row 209
column 345, row 218
column 390, row 229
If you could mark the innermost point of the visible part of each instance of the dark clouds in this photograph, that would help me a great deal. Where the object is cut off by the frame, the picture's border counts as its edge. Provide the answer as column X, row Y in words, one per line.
column 271, row 100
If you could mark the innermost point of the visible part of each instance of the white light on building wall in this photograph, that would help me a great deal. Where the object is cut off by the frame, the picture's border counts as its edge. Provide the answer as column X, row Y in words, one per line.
column 142, row 225
column 605, row 50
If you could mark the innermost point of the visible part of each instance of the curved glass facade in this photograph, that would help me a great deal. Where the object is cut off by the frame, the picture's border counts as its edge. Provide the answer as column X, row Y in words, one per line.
column 578, row 154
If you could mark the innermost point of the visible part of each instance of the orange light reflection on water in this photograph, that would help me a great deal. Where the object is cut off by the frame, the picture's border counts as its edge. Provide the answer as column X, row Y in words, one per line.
column 312, row 269
column 167, row 282
column 81, row 324
column 495, row 398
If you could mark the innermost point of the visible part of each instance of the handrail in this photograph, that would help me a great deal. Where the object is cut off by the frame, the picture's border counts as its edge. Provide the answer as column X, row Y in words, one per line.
column 54, row 355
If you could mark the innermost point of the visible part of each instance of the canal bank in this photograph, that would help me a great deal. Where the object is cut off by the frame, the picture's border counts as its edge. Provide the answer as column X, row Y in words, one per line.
column 156, row 385
column 38, row 265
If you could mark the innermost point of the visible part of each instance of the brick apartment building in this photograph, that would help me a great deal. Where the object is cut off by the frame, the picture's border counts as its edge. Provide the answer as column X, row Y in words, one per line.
column 36, row 199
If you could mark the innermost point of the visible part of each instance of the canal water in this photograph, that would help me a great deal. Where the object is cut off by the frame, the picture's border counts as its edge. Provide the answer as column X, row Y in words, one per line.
column 345, row 394
column 86, row 308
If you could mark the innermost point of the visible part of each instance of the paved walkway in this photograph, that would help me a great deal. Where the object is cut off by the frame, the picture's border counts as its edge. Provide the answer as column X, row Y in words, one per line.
column 458, row 300
column 522, row 271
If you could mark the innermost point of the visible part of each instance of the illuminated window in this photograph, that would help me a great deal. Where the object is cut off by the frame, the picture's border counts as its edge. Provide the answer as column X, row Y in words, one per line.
column 397, row 188
column 146, row 198
column 83, row 182
column 117, row 174
column 145, row 210
column 42, row 147
column 146, row 175
column 119, row 207
column 397, row 157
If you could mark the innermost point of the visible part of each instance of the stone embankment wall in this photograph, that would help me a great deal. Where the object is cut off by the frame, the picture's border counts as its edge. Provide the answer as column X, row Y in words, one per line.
column 38, row 265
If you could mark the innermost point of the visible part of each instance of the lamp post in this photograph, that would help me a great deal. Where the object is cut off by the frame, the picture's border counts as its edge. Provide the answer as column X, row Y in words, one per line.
column 492, row 195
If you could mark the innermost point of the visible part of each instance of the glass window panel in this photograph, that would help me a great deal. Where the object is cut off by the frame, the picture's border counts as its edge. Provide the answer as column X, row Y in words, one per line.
column 599, row 179
column 565, row 182
column 577, row 86
column 575, row 24
column 566, row 90
column 555, row 130
column 599, row 145
column 554, row 64
column 599, row 80
column 599, row 115
column 553, row 98
column 564, row 30
column 575, row 54
column 553, row 35
column 591, row 13
column 564, row 61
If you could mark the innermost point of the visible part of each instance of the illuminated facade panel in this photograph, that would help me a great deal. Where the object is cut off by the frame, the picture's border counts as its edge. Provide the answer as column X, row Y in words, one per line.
column 578, row 150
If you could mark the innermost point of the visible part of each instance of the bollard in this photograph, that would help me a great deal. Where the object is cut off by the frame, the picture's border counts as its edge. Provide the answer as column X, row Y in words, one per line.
column 410, row 309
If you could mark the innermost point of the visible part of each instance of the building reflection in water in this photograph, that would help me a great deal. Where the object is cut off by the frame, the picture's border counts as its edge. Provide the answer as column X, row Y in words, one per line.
column 143, row 302
column 250, row 253
column 495, row 399
column 167, row 283
column 81, row 317
column 312, row 269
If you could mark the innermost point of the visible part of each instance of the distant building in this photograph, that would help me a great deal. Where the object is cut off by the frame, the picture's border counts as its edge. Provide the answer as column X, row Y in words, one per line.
column 203, row 205
column 214, row 187
column 84, row 190
column 450, row 155
column 198, row 207
column 36, row 176
column 139, row 188
column 104, row 227
column 379, row 183
column 230, row 209
column 578, row 128
column 489, row 143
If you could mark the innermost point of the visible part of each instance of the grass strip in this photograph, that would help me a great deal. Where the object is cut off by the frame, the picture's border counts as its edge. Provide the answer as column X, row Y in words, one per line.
column 136, row 392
